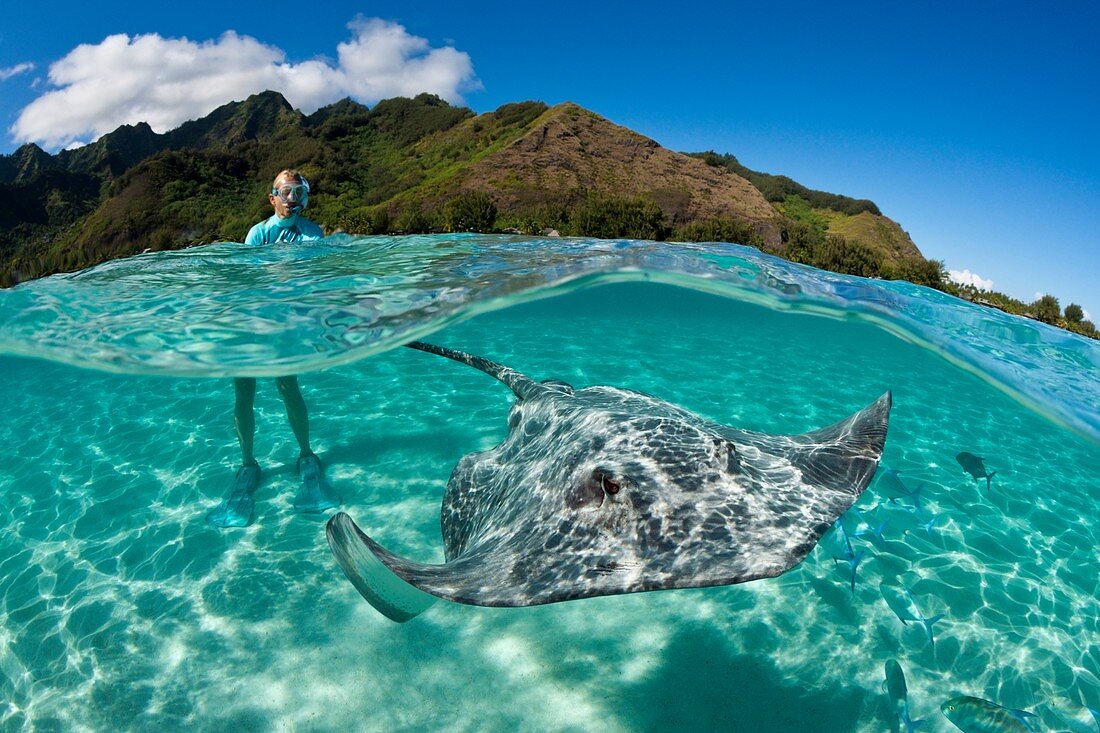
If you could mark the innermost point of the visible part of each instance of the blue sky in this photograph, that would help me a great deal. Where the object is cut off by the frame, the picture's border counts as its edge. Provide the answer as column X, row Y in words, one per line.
column 971, row 124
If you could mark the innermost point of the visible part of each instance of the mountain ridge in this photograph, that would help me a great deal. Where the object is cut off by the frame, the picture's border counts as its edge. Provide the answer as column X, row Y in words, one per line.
column 397, row 167
column 570, row 148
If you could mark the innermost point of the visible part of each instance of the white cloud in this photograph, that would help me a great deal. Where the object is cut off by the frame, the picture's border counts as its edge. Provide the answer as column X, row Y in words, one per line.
column 167, row 81
column 966, row 277
column 11, row 71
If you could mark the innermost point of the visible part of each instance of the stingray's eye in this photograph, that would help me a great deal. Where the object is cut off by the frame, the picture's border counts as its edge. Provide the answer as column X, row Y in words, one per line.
column 726, row 452
column 596, row 486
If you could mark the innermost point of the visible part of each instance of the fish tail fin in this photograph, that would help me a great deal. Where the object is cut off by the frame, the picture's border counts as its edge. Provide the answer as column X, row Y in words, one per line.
column 911, row 726
column 1025, row 717
column 856, row 559
column 989, row 479
column 391, row 596
column 928, row 626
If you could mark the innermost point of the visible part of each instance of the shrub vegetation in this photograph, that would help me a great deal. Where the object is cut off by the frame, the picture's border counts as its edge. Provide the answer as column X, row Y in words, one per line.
column 470, row 211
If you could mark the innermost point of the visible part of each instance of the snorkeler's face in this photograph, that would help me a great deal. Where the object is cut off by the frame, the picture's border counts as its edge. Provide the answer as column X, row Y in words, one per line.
column 289, row 197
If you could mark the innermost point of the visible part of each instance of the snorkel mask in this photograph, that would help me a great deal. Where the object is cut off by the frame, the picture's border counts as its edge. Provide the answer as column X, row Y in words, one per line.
column 295, row 195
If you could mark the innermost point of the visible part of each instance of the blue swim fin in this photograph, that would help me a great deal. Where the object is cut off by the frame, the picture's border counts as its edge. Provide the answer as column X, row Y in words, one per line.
column 314, row 495
column 236, row 509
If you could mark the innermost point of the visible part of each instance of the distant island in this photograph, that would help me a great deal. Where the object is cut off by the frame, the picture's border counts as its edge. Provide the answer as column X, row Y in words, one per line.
column 422, row 165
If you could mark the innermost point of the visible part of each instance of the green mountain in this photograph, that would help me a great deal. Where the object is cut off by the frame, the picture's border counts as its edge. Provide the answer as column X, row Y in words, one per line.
column 855, row 220
column 410, row 165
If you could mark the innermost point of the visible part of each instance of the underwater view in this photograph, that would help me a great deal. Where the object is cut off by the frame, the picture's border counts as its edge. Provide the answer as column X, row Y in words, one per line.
column 961, row 590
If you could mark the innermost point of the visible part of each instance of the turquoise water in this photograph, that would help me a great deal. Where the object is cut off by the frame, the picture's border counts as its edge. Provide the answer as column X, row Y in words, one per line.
column 121, row 609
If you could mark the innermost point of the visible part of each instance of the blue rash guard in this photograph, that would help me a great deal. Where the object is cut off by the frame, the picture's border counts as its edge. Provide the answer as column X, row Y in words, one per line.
column 294, row 229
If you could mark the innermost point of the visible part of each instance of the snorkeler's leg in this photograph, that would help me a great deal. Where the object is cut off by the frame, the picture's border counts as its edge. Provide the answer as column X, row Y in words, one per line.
column 236, row 509
column 244, row 417
column 314, row 495
column 296, row 411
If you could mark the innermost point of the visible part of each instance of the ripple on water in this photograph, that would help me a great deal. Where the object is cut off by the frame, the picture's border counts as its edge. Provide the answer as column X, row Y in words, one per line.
column 118, row 602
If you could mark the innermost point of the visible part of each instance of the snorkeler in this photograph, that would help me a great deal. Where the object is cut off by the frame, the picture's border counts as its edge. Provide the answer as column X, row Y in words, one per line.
column 289, row 197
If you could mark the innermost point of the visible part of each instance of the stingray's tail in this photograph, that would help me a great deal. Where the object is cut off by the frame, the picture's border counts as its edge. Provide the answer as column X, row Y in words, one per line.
column 522, row 385
column 390, row 595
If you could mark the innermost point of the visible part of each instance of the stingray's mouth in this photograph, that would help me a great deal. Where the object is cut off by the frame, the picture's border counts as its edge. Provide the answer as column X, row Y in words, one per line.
column 615, row 566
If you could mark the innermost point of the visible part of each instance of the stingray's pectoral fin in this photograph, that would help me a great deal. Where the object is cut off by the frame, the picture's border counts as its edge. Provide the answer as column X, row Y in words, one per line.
column 843, row 457
column 391, row 596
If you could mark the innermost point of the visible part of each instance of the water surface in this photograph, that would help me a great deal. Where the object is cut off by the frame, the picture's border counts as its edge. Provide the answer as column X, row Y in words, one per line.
column 121, row 608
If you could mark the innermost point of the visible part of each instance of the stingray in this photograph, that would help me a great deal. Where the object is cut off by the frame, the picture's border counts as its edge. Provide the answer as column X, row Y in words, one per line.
column 601, row 491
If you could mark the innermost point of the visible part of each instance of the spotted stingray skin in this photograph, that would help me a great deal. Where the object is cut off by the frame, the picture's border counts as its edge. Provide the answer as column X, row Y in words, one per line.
column 601, row 491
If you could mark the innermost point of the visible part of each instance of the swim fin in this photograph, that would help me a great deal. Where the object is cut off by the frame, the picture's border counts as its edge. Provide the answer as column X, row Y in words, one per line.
column 236, row 509
column 314, row 495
